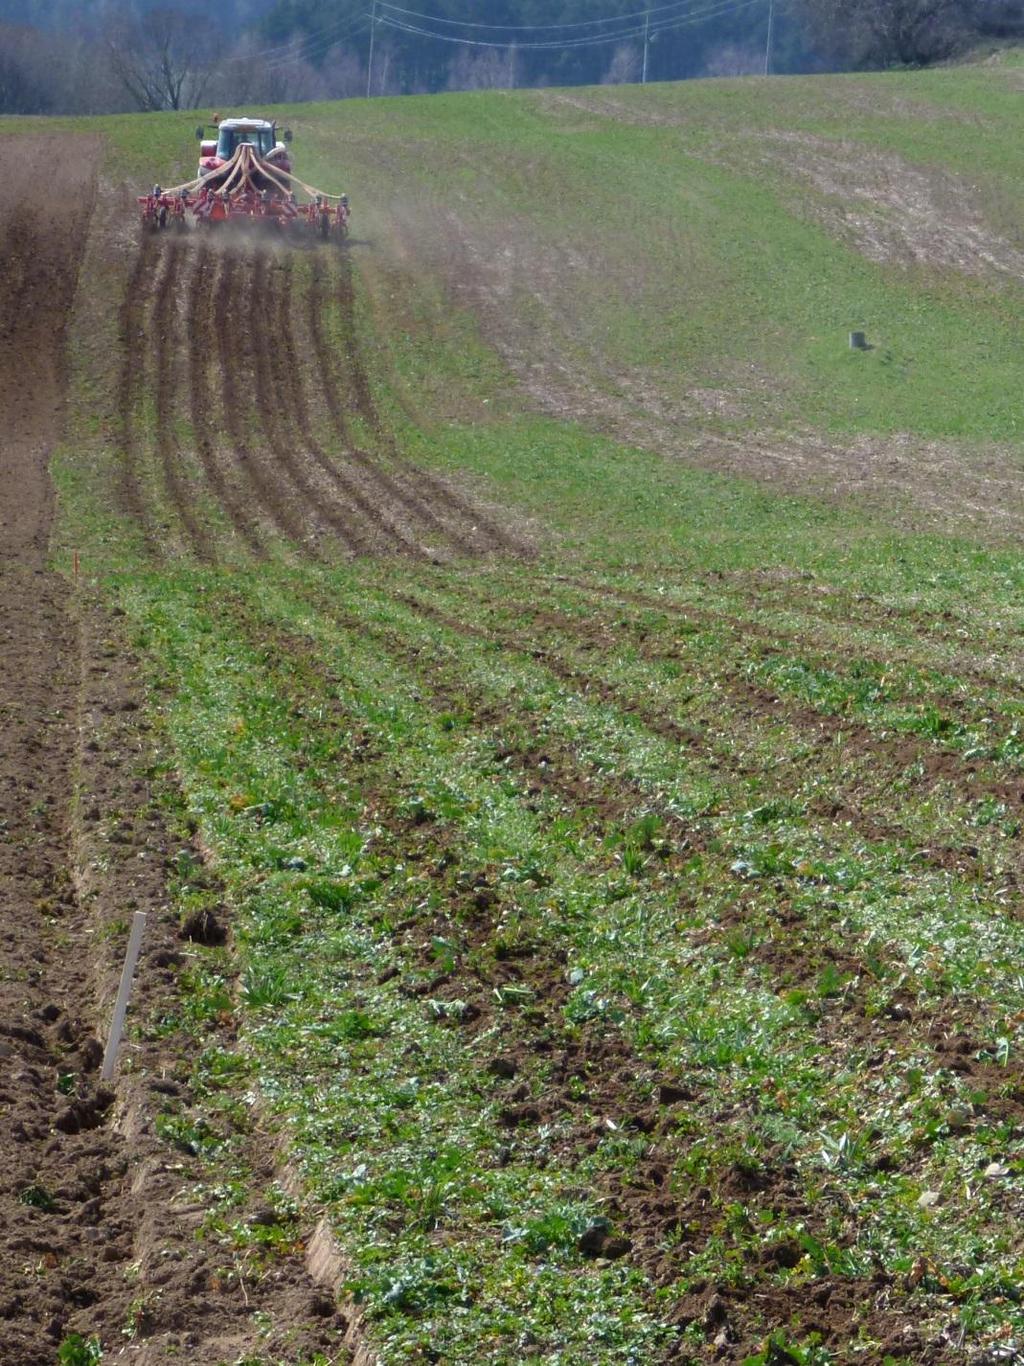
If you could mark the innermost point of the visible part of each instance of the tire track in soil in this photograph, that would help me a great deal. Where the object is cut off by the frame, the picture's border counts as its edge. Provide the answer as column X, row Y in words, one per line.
column 132, row 341
column 589, row 1078
column 314, row 501
column 369, row 527
column 232, row 327
column 165, row 337
column 201, row 345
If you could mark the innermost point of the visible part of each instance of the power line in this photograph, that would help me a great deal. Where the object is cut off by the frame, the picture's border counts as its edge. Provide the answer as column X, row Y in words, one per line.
column 304, row 48
column 333, row 32
column 694, row 17
column 533, row 28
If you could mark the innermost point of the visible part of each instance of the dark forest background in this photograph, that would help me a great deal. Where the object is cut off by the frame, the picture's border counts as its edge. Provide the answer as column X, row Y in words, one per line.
column 98, row 56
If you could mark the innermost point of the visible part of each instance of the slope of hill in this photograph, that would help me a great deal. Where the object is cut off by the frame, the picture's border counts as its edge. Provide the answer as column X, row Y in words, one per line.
column 589, row 691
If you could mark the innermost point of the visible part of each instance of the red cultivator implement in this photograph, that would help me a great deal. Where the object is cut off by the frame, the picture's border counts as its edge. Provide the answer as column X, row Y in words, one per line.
column 246, row 177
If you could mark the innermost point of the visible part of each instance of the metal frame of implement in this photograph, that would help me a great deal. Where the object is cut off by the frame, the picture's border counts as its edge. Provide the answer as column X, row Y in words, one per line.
column 239, row 198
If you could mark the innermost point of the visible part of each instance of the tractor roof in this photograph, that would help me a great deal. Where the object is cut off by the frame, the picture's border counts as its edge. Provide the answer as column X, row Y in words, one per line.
column 247, row 125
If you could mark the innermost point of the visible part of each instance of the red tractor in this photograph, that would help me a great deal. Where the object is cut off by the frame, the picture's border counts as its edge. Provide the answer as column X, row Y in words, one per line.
column 245, row 175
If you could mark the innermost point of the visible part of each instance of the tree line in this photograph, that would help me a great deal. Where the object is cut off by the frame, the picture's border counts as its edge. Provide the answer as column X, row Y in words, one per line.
column 109, row 56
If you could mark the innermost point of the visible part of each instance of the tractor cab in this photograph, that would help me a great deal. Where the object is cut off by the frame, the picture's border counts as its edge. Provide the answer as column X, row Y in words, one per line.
column 245, row 177
column 232, row 132
column 260, row 134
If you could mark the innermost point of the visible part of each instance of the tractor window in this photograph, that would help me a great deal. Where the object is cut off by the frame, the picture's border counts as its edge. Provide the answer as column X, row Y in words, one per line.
column 261, row 138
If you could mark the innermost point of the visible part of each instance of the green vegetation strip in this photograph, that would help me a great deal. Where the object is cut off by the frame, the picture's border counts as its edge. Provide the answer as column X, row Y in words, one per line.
column 383, row 1091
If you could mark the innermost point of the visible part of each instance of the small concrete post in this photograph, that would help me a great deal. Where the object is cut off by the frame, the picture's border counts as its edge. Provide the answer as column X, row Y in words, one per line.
column 123, row 992
column 858, row 341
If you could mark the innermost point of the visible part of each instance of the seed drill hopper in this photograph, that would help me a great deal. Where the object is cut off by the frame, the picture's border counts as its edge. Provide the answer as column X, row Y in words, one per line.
column 245, row 176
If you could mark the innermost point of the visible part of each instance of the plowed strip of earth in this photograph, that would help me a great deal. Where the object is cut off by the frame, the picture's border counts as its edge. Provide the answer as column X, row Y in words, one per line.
column 95, row 1238
column 201, row 345
column 415, row 494
column 165, row 326
column 375, row 499
column 250, row 312
column 132, row 338
column 232, row 339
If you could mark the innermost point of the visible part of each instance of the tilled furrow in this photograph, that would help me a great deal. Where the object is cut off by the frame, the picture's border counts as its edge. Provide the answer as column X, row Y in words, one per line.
column 939, row 764
column 421, row 521
column 586, row 1080
column 372, row 525
column 552, row 767
column 577, row 678
column 132, row 341
column 312, row 500
column 812, row 644
column 444, row 515
column 165, row 342
column 234, row 346
column 201, row 346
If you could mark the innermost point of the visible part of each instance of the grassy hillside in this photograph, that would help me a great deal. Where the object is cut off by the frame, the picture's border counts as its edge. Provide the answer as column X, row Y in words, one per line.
column 599, row 691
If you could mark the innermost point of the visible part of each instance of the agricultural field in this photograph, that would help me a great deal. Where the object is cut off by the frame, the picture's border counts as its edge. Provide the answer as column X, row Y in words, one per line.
column 561, row 710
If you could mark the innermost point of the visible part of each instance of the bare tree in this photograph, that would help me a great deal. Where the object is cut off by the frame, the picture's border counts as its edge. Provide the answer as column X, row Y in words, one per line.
column 160, row 59
column 889, row 32
column 24, row 88
column 246, row 77
column 624, row 67
column 730, row 59
column 493, row 69
column 52, row 73
column 343, row 74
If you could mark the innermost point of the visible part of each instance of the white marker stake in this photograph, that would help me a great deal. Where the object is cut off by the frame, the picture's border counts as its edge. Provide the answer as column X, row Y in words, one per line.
column 123, row 993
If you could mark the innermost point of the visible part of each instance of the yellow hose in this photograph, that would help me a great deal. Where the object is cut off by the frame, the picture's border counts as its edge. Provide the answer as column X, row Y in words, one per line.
column 245, row 163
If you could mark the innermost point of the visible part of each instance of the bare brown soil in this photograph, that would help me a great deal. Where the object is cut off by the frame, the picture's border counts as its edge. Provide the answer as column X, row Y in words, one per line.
column 891, row 211
column 97, row 1234
column 199, row 327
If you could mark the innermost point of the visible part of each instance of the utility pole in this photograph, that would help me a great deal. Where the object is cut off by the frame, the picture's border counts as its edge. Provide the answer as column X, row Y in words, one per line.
column 647, row 44
column 771, row 34
column 373, row 34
